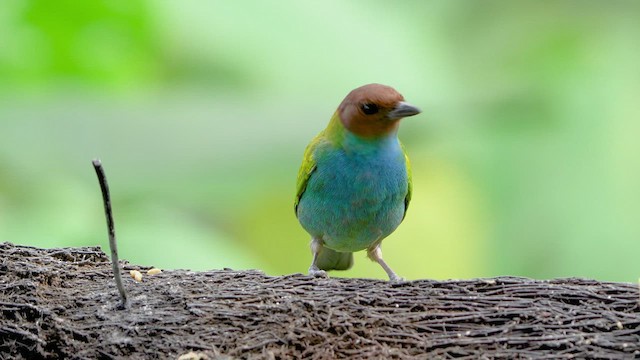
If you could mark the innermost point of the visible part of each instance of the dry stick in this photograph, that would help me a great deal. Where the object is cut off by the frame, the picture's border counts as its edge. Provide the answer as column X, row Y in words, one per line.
column 112, row 234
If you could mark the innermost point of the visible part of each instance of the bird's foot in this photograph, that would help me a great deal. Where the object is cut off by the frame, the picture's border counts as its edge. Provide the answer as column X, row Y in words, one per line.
column 318, row 273
column 396, row 279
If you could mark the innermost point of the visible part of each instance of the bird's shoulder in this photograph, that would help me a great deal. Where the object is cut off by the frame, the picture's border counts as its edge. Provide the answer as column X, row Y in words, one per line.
column 407, row 198
column 308, row 166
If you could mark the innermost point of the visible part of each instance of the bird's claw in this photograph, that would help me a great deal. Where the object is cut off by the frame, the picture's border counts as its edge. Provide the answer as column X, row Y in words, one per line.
column 318, row 273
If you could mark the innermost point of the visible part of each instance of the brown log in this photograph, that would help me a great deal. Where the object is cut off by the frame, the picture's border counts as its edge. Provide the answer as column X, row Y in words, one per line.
column 62, row 303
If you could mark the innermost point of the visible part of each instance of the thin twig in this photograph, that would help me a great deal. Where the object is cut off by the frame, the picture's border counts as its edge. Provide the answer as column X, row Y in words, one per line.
column 104, row 186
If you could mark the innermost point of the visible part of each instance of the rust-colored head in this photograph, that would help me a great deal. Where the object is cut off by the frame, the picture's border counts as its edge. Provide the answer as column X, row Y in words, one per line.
column 373, row 110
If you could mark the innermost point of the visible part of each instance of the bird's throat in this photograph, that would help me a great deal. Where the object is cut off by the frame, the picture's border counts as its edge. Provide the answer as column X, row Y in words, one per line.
column 374, row 136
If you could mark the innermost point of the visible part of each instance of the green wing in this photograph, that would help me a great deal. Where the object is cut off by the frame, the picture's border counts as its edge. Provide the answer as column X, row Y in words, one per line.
column 306, row 169
column 407, row 198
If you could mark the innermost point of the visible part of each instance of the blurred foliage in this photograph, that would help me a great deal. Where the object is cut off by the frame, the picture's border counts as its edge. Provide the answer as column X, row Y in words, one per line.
column 525, row 158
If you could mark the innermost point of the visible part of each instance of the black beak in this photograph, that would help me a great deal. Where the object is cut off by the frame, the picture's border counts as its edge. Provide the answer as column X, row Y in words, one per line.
column 403, row 109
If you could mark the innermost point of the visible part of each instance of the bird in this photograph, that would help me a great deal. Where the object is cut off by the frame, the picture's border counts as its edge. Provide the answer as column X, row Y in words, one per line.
column 354, row 185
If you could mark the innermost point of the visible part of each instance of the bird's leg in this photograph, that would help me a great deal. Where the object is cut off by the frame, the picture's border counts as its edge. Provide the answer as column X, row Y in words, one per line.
column 375, row 253
column 316, row 247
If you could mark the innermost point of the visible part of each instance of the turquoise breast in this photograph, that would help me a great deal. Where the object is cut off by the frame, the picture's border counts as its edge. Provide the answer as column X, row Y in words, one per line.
column 355, row 197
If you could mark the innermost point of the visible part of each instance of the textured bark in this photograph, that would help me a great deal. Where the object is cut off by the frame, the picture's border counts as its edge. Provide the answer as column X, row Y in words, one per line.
column 62, row 303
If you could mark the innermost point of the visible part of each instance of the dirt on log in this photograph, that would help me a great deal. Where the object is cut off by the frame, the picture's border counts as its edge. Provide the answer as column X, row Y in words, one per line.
column 62, row 303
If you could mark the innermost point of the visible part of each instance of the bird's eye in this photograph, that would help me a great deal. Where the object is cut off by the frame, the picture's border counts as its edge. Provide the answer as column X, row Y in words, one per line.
column 369, row 108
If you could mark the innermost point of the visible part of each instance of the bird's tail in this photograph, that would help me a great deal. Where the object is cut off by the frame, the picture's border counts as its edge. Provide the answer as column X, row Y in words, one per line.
column 333, row 260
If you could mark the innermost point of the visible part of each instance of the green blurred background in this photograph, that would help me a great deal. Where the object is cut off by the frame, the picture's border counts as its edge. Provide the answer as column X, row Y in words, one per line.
column 526, row 157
